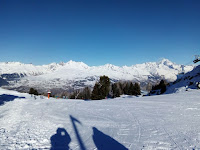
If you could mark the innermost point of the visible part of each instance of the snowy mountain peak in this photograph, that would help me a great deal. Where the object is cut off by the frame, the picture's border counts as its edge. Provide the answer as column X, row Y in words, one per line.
column 77, row 65
column 110, row 66
column 166, row 62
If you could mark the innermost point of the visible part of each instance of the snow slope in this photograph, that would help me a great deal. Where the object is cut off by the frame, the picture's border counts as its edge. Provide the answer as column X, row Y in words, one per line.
column 188, row 80
column 156, row 122
column 77, row 74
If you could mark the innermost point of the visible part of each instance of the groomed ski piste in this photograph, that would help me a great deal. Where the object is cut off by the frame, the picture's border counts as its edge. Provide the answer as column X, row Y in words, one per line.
column 163, row 122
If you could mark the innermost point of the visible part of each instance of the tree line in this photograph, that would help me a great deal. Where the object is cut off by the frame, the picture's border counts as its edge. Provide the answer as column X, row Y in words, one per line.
column 105, row 89
column 159, row 88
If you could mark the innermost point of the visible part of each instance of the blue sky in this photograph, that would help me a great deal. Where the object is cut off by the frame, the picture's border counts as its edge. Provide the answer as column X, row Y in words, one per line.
column 96, row 32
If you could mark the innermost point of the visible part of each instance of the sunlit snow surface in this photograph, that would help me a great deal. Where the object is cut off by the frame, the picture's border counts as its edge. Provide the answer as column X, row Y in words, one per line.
column 157, row 122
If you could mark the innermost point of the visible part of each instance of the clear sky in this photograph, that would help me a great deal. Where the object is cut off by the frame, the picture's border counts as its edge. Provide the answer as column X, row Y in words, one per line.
column 96, row 32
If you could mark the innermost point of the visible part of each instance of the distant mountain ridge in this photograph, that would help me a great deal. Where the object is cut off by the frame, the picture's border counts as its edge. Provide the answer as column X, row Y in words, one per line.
column 75, row 75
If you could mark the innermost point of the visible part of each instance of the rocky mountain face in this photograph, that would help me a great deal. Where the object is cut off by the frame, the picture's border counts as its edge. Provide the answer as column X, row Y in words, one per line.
column 75, row 75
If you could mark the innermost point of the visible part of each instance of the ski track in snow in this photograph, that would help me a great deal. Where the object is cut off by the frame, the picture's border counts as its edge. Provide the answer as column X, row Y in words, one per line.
column 144, row 123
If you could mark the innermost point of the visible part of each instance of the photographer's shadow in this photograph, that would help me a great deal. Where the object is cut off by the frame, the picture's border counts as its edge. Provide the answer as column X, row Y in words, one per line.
column 60, row 140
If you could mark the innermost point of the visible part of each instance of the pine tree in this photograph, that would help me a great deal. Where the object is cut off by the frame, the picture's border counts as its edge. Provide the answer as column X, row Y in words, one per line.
column 162, row 86
column 131, row 89
column 33, row 91
column 115, row 90
column 104, row 86
column 86, row 93
column 126, row 88
column 96, row 92
column 101, row 89
column 137, row 90
column 120, row 85
column 36, row 92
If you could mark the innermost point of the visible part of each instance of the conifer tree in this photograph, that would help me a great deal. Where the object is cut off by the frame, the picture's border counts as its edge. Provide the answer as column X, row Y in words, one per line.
column 131, row 89
column 120, row 85
column 162, row 86
column 104, row 86
column 86, row 93
column 126, row 88
column 115, row 90
column 96, row 92
column 36, row 92
column 137, row 90
column 33, row 91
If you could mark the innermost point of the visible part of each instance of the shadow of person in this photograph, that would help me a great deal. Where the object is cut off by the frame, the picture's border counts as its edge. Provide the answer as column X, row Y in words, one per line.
column 105, row 142
column 60, row 140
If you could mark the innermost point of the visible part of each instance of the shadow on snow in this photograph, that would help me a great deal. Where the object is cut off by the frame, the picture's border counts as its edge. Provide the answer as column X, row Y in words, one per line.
column 7, row 98
column 61, row 140
column 105, row 142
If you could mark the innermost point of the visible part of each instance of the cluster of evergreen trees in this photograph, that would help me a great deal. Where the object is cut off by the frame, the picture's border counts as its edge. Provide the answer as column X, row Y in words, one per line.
column 33, row 91
column 103, row 89
column 159, row 88
column 127, row 88
column 81, row 94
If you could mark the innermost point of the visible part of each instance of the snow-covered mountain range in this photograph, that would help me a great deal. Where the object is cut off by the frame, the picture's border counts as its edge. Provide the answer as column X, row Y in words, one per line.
column 74, row 75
